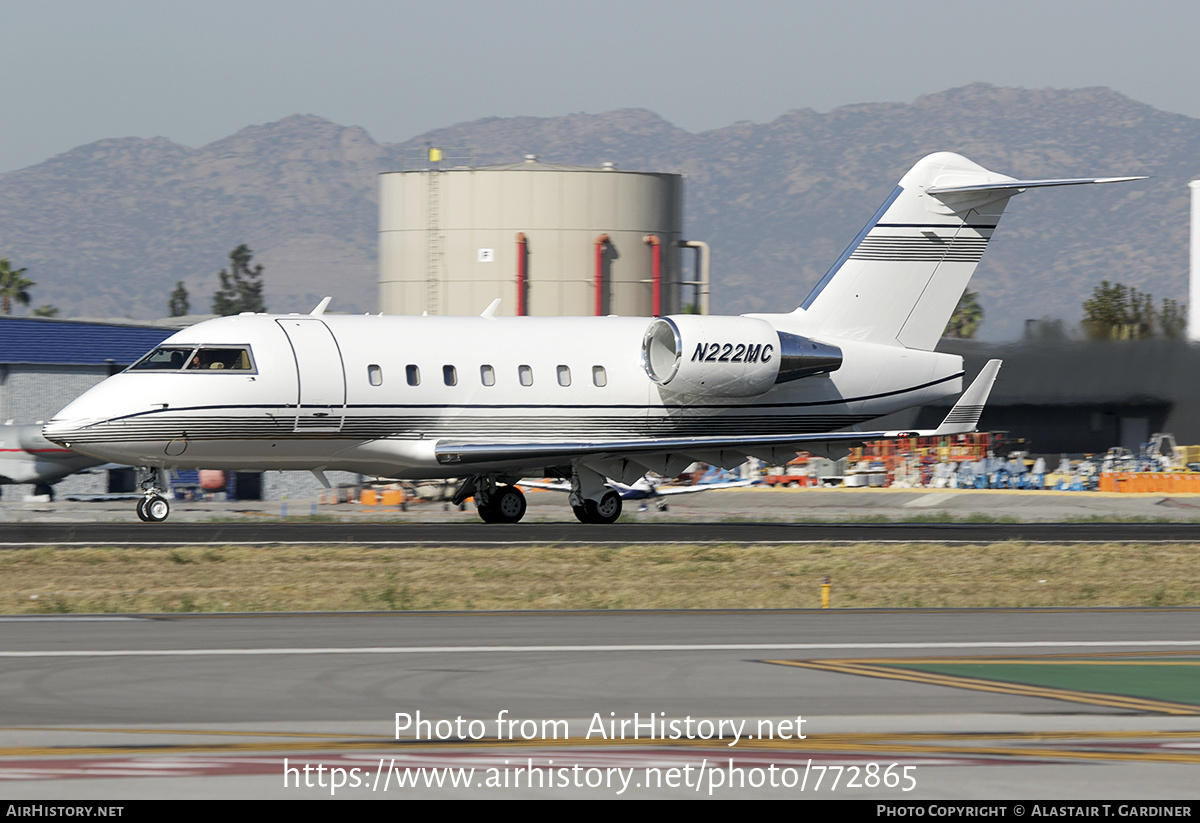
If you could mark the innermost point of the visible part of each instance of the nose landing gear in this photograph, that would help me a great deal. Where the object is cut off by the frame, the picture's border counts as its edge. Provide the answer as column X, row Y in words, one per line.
column 153, row 507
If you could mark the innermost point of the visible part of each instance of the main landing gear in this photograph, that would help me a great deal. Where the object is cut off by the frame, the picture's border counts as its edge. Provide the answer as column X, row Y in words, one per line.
column 496, row 504
column 153, row 507
column 605, row 510
column 505, row 505
column 591, row 498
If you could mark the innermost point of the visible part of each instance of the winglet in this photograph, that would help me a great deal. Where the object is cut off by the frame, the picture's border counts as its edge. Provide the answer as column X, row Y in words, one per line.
column 964, row 417
column 320, row 309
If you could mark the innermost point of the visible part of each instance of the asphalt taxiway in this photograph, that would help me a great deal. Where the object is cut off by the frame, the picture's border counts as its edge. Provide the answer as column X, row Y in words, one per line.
column 760, row 515
column 733, row 506
column 482, row 535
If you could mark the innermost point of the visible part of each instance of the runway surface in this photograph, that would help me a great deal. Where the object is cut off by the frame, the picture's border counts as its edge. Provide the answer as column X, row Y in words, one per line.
column 214, row 706
column 232, row 706
column 17, row 535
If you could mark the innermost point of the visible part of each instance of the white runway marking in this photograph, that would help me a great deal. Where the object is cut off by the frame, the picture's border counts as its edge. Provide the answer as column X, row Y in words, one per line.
column 717, row 647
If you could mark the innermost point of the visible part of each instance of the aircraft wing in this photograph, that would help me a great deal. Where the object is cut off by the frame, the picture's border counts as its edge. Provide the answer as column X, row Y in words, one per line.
column 963, row 418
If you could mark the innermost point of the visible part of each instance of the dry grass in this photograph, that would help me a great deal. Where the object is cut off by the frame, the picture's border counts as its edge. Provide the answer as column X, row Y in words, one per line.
column 236, row 579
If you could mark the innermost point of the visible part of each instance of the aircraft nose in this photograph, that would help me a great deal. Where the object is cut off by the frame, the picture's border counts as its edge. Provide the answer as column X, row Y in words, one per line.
column 88, row 436
column 61, row 431
column 73, row 420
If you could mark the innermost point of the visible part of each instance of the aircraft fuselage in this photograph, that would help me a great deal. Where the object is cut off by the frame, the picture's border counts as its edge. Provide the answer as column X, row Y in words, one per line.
column 375, row 394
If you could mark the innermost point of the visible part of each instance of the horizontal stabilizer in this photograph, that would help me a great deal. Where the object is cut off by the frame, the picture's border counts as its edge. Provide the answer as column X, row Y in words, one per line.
column 964, row 417
column 1027, row 184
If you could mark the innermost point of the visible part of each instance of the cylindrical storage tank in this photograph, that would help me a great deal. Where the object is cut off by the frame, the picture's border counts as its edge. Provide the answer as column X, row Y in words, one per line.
column 580, row 240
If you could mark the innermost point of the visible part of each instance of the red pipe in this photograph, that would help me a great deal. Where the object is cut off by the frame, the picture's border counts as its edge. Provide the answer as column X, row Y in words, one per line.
column 522, row 251
column 601, row 242
column 656, row 276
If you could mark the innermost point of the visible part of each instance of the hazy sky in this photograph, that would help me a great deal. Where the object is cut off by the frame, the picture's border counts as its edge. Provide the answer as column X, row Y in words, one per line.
column 75, row 71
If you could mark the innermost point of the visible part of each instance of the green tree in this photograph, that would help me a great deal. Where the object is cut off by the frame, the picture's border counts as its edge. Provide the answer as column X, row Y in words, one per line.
column 241, row 285
column 179, row 305
column 967, row 317
column 1106, row 314
column 1119, row 312
column 1172, row 319
column 45, row 311
column 14, row 286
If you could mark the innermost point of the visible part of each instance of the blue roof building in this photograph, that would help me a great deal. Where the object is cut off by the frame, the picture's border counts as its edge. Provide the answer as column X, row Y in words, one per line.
column 49, row 341
column 45, row 363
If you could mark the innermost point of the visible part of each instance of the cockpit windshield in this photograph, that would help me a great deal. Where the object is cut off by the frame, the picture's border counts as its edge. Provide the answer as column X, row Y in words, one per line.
column 197, row 358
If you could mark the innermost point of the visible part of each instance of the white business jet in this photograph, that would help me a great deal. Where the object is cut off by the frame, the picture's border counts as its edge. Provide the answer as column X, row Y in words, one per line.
column 494, row 399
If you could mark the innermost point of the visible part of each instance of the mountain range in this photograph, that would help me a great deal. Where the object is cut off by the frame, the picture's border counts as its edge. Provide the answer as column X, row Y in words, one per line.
column 108, row 228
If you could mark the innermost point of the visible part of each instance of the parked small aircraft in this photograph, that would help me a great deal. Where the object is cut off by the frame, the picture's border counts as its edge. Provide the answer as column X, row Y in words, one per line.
column 487, row 400
column 28, row 457
column 645, row 488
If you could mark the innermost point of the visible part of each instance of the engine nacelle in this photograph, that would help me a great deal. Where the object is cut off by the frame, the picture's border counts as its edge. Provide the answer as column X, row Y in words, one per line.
column 729, row 356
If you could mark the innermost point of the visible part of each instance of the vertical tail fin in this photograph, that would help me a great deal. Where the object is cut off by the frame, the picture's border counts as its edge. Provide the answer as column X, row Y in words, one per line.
column 900, row 279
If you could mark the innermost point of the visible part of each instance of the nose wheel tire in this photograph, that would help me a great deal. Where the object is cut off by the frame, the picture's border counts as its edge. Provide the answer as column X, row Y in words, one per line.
column 153, row 509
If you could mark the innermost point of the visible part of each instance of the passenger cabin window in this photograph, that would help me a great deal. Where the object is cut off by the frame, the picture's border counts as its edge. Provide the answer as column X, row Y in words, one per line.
column 413, row 374
column 375, row 375
column 564, row 375
column 487, row 375
column 450, row 375
column 526, row 375
column 197, row 358
column 599, row 377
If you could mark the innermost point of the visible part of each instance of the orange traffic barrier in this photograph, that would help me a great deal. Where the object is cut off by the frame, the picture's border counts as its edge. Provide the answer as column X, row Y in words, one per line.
column 1150, row 482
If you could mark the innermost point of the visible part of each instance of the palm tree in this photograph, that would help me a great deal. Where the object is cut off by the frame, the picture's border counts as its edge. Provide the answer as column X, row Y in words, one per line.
column 13, row 286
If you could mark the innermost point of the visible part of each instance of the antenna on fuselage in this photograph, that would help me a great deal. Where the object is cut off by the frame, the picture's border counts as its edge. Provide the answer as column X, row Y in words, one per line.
column 320, row 309
column 490, row 311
